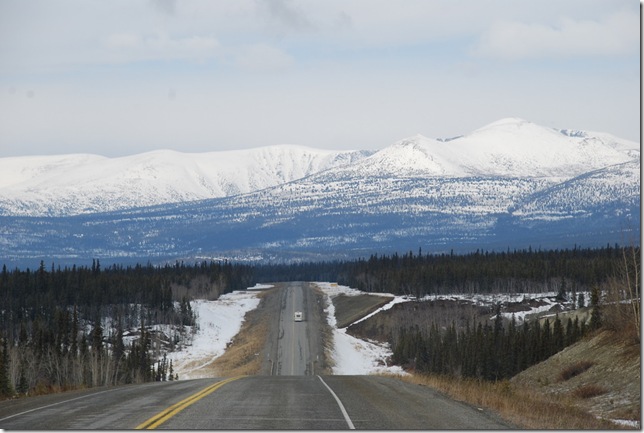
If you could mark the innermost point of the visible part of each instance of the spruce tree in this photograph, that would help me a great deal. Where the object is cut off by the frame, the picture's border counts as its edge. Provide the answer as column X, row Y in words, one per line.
column 596, row 314
column 557, row 335
column 6, row 389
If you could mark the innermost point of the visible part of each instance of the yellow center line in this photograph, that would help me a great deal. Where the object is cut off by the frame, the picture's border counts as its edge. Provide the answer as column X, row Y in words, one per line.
column 168, row 413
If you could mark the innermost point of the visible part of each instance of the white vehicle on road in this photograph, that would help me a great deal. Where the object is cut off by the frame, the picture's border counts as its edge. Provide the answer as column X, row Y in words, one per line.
column 298, row 316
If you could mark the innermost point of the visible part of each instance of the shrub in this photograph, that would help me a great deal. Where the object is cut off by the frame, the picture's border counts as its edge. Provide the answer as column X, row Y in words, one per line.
column 574, row 370
column 589, row 391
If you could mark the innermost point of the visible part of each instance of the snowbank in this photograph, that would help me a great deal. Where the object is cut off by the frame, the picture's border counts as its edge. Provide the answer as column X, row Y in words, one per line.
column 352, row 355
column 259, row 286
column 219, row 321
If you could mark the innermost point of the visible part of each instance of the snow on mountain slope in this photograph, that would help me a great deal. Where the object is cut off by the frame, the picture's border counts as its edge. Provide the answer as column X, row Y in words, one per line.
column 323, row 215
column 75, row 184
column 16, row 170
column 506, row 148
column 510, row 149
column 516, row 147
column 615, row 188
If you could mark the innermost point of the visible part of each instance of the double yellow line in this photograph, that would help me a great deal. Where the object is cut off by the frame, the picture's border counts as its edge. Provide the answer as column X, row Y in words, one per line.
column 162, row 417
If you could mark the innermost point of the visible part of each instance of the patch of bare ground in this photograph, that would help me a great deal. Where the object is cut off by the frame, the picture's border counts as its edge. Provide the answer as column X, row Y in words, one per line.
column 599, row 375
column 348, row 309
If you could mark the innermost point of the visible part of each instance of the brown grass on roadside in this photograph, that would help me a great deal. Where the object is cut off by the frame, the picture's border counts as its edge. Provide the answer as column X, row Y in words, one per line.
column 520, row 407
column 243, row 357
column 326, row 364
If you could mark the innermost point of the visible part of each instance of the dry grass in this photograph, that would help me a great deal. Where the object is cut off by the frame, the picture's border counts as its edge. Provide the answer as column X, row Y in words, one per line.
column 589, row 391
column 326, row 364
column 616, row 368
column 521, row 407
column 348, row 309
column 243, row 355
column 574, row 370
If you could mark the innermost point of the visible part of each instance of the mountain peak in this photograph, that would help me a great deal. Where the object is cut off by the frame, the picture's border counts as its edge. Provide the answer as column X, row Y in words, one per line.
column 412, row 141
column 509, row 147
column 507, row 124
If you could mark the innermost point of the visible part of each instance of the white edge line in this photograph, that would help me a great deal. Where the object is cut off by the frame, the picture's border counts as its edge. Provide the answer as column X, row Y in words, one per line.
column 344, row 411
column 56, row 404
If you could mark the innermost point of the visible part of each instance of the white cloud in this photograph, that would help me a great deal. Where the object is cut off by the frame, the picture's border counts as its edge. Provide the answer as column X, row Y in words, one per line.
column 329, row 73
column 263, row 58
column 165, row 6
column 617, row 34
column 284, row 16
column 123, row 41
column 128, row 47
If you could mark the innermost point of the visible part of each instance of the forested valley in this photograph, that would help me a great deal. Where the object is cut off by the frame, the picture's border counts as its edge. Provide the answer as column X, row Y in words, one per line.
column 90, row 326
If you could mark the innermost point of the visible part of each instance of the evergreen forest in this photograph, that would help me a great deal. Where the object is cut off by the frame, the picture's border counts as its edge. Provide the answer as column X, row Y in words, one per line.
column 91, row 326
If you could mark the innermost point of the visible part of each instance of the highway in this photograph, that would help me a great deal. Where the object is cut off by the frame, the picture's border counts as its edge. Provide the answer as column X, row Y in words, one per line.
column 294, row 354
column 254, row 402
column 293, row 395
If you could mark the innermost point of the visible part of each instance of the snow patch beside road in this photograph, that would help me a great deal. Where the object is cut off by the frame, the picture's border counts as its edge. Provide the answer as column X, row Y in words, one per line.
column 352, row 355
column 218, row 322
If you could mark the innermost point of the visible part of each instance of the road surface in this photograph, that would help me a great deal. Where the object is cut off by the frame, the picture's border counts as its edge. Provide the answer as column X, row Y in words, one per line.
column 294, row 354
column 294, row 348
column 294, row 394
column 253, row 402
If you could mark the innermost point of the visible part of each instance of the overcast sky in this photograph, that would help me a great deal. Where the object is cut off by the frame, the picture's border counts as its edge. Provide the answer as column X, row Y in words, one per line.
column 121, row 77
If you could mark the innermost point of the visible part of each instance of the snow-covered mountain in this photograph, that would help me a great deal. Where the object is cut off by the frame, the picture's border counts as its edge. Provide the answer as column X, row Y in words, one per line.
column 508, row 148
column 76, row 184
column 509, row 184
column 615, row 188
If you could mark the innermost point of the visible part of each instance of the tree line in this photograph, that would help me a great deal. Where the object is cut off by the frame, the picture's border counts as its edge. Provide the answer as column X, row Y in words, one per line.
column 417, row 274
column 486, row 351
column 72, row 327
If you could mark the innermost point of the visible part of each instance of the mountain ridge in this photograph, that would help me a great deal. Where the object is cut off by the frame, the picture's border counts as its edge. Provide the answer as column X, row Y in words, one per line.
column 64, row 185
column 68, row 185
column 418, row 192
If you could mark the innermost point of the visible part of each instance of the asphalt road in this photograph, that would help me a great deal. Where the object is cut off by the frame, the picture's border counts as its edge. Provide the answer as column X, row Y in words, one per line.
column 294, row 348
column 254, row 402
column 294, row 354
column 293, row 396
